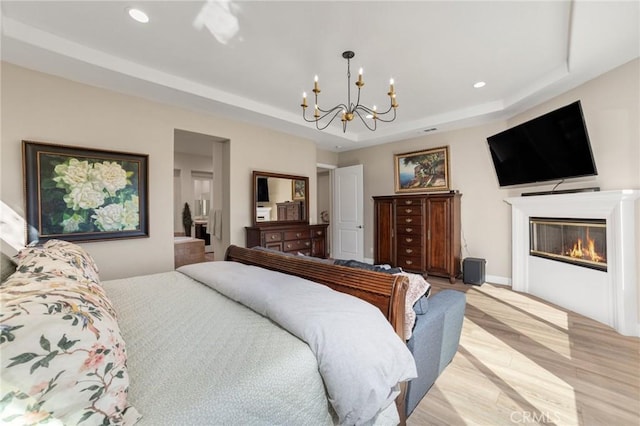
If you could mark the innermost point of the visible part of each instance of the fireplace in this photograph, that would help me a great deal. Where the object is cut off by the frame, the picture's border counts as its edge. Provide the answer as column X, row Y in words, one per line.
column 606, row 290
column 581, row 242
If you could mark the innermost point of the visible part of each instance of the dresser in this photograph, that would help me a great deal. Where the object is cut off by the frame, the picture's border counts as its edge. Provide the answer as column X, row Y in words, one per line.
column 310, row 240
column 291, row 210
column 419, row 233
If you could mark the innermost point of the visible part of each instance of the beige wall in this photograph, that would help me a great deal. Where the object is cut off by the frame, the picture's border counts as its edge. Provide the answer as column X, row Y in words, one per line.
column 41, row 107
column 471, row 173
column 611, row 107
column 327, row 157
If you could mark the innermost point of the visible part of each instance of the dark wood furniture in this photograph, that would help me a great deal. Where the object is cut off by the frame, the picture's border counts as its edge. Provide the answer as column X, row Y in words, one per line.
column 202, row 232
column 291, row 210
column 291, row 232
column 420, row 233
column 310, row 240
column 386, row 291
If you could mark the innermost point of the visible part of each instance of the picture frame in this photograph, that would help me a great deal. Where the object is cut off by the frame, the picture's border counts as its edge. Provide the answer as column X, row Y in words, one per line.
column 84, row 194
column 297, row 190
column 422, row 171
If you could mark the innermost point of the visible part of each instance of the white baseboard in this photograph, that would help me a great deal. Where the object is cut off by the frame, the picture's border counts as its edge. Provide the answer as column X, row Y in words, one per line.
column 495, row 279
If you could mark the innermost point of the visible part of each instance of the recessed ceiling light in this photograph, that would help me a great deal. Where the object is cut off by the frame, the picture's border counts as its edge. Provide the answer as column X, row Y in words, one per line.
column 479, row 84
column 138, row 15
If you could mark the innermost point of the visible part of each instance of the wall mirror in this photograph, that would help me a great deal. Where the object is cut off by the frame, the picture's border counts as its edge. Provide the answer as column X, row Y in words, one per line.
column 280, row 198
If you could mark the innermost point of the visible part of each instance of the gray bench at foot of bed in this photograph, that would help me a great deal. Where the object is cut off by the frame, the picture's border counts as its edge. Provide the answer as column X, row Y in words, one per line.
column 434, row 342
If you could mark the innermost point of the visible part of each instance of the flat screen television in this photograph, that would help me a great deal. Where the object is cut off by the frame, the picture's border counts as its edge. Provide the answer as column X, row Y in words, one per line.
column 554, row 146
column 263, row 190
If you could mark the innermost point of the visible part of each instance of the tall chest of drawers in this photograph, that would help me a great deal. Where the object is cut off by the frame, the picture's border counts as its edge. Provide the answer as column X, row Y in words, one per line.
column 309, row 240
column 420, row 233
column 410, row 221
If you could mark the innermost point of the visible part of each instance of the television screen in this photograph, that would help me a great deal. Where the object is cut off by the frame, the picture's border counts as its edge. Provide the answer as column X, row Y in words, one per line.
column 554, row 146
column 263, row 190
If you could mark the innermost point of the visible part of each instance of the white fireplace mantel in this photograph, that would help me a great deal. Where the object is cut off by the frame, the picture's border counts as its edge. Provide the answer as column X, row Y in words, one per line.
column 608, row 296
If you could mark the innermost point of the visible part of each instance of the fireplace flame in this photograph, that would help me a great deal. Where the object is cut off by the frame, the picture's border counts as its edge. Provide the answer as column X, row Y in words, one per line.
column 588, row 252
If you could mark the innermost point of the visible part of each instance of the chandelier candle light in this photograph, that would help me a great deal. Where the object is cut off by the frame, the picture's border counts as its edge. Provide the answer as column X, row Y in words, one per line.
column 349, row 110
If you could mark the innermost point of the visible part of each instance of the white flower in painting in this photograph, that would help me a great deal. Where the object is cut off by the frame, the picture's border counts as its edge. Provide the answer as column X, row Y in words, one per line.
column 109, row 217
column 130, row 217
column 83, row 196
column 109, row 176
column 72, row 173
column 72, row 224
column 133, row 203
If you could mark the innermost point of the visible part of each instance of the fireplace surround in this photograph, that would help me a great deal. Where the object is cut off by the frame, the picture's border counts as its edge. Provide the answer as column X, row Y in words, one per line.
column 609, row 294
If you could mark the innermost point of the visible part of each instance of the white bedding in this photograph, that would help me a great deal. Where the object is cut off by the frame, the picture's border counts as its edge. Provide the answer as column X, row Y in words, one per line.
column 240, row 370
column 360, row 357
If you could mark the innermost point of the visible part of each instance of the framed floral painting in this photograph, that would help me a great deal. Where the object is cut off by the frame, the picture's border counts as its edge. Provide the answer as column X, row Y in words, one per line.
column 422, row 171
column 80, row 194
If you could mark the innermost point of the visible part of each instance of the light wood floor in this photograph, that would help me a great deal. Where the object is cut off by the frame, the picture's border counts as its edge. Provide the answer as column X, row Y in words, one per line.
column 524, row 361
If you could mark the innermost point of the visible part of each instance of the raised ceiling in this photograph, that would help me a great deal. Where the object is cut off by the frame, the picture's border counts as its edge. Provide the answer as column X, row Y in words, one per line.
column 525, row 51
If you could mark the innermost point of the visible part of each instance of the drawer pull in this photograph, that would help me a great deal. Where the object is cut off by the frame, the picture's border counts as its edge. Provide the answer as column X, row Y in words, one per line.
column 288, row 246
column 298, row 235
column 409, row 229
column 408, row 239
column 408, row 202
column 318, row 233
column 273, row 237
column 408, row 262
column 408, row 251
column 408, row 210
column 408, row 220
column 307, row 244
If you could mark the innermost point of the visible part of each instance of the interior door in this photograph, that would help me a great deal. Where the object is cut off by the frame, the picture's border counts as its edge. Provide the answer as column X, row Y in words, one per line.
column 348, row 215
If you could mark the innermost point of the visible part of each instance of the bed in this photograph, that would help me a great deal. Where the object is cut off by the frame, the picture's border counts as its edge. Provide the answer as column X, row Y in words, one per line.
column 246, row 341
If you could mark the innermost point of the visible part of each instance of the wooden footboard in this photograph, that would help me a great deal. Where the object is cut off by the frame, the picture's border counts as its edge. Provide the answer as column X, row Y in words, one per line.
column 386, row 291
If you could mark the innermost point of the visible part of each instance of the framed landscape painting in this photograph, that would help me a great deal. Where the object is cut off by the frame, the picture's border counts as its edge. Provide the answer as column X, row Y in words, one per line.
column 297, row 190
column 422, row 171
column 82, row 194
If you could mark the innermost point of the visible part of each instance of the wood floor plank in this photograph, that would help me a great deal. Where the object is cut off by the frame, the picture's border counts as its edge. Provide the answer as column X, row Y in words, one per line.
column 522, row 360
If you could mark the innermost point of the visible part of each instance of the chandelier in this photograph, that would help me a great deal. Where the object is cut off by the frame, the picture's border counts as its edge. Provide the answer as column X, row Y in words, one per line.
column 348, row 111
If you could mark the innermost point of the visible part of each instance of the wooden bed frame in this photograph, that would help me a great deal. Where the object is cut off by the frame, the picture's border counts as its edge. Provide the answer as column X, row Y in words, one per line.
column 386, row 291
